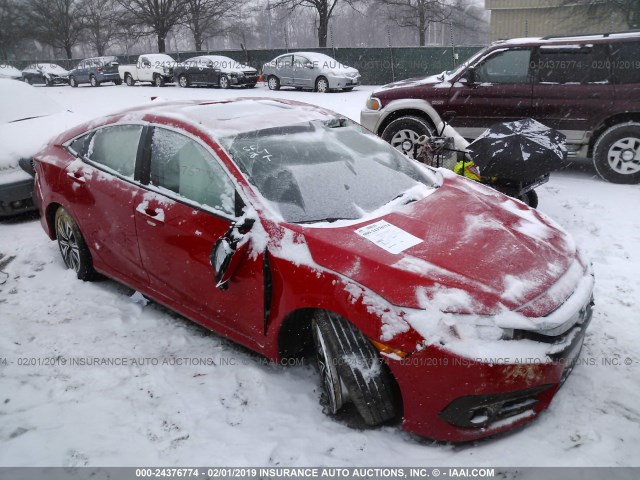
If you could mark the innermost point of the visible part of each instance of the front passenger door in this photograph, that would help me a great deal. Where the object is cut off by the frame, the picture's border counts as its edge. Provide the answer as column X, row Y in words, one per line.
column 190, row 203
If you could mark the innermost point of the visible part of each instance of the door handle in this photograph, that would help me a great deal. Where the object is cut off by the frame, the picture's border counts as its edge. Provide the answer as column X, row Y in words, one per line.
column 154, row 215
column 76, row 176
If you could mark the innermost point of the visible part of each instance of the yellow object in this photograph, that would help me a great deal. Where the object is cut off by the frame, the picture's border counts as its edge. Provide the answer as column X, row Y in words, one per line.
column 470, row 170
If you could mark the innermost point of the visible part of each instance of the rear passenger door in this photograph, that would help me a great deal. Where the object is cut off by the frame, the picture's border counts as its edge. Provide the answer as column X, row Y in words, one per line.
column 284, row 70
column 501, row 92
column 572, row 90
column 188, row 205
column 303, row 75
column 625, row 62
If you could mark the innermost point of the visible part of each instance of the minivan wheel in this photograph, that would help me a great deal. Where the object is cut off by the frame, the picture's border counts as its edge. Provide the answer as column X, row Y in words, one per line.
column 402, row 133
column 350, row 368
column 183, row 81
column 72, row 82
column 94, row 81
column 322, row 85
column 616, row 154
column 128, row 79
column 273, row 82
column 73, row 248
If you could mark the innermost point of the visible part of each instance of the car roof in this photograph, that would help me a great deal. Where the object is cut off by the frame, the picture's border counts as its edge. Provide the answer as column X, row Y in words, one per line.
column 221, row 118
column 568, row 39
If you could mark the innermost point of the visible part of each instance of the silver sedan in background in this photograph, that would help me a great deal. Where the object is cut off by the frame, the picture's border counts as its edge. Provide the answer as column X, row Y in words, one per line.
column 309, row 70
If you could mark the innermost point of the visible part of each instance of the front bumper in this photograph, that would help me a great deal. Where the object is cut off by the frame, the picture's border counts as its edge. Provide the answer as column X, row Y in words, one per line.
column 16, row 193
column 59, row 80
column 108, row 77
column 244, row 80
column 339, row 81
column 370, row 119
column 448, row 397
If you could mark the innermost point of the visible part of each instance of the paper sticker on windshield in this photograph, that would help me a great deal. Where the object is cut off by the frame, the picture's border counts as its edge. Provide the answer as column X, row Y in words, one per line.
column 389, row 237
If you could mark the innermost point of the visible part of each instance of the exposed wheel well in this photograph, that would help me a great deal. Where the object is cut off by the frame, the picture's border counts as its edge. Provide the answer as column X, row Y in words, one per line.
column 50, row 216
column 404, row 113
column 610, row 122
column 295, row 339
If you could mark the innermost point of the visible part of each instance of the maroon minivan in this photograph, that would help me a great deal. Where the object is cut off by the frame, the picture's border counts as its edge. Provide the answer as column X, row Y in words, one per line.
column 586, row 86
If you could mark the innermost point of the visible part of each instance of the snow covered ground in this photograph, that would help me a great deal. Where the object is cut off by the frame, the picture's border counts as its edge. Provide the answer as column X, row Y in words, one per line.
column 242, row 411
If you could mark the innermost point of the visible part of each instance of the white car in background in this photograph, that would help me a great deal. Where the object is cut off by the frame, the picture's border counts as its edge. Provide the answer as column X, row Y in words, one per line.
column 309, row 70
column 28, row 119
column 7, row 71
column 156, row 68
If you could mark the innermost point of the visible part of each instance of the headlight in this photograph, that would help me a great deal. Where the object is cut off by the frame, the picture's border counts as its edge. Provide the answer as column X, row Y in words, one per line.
column 373, row 103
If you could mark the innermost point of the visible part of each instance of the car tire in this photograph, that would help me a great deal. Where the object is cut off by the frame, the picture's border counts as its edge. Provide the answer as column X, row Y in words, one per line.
column 94, row 81
column 616, row 154
column 183, row 81
column 117, row 82
column 251, row 85
column 128, row 79
column 530, row 198
column 159, row 81
column 322, row 85
column 273, row 82
column 223, row 82
column 72, row 82
column 72, row 245
column 347, row 360
column 403, row 132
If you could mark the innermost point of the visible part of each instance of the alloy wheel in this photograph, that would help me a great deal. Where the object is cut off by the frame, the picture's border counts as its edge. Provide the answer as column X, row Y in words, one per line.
column 624, row 156
column 328, row 371
column 69, row 247
column 404, row 140
column 322, row 86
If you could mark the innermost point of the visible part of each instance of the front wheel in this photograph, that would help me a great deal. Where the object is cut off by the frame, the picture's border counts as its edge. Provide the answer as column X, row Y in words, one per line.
column 224, row 82
column 273, row 82
column 350, row 368
column 117, row 82
column 94, row 81
column 616, row 154
column 322, row 85
column 73, row 248
column 403, row 133
column 530, row 198
column 183, row 81
column 158, row 81
column 72, row 82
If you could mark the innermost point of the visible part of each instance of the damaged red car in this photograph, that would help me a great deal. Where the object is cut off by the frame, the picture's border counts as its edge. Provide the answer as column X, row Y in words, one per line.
column 294, row 231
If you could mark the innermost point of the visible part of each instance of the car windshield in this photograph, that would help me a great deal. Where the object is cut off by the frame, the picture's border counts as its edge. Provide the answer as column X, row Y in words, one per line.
column 449, row 74
column 325, row 170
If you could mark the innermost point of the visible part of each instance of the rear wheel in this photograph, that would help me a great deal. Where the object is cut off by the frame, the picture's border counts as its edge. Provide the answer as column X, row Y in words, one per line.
column 73, row 248
column 183, row 81
column 224, row 82
column 72, row 82
column 402, row 133
column 94, row 81
column 322, row 85
column 273, row 82
column 129, row 80
column 616, row 154
column 158, row 81
column 350, row 368
column 530, row 198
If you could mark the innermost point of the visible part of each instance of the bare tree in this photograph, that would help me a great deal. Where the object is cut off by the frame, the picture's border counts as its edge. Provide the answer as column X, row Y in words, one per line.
column 101, row 20
column 417, row 15
column 209, row 18
column 155, row 17
column 12, row 30
column 57, row 23
column 324, row 9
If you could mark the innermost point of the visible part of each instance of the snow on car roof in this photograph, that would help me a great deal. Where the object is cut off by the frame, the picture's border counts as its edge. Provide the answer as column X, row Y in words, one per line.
column 21, row 101
column 234, row 116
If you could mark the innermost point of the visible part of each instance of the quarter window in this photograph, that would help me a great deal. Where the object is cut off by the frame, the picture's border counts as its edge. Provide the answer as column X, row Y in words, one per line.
column 115, row 148
column 509, row 66
column 183, row 166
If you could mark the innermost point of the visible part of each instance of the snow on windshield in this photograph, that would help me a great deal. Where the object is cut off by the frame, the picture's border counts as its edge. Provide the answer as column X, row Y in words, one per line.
column 326, row 170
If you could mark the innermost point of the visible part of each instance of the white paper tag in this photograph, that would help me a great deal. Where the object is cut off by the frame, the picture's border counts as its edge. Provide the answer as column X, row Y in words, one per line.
column 389, row 237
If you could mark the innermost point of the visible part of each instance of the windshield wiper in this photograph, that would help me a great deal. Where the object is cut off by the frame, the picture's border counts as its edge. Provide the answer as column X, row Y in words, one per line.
column 328, row 220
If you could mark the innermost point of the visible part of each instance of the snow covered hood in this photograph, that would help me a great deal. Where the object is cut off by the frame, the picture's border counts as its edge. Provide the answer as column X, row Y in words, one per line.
column 49, row 68
column 413, row 82
column 465, row 237
column 226, row 64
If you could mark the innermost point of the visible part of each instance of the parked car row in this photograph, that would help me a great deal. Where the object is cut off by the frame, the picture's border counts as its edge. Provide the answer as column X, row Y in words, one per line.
column 308, row 70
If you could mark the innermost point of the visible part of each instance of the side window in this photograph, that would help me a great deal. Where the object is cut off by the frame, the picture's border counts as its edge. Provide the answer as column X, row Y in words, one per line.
column 116, row 148
column 299, row 62
column 284, row 61
column 183, row 166
column 81, row 144
column 626, row 62
column 509, row 66
column 572, row 64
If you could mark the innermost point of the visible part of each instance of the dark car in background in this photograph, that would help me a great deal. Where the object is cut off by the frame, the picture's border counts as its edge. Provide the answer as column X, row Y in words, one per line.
column 45, row 73
column 588, row 87
column 96, row 71
column 215, row 70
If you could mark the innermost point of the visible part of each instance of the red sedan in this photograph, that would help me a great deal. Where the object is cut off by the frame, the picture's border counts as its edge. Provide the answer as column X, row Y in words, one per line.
column 292, row 230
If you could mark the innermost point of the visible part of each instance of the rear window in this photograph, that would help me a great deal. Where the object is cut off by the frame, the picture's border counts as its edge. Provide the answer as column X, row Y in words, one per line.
column 626, row 62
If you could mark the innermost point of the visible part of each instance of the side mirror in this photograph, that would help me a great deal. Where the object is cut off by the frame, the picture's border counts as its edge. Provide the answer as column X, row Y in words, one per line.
column 469, row 76
column 228, row 252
